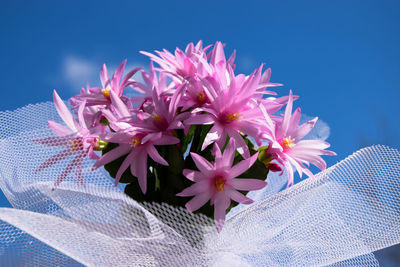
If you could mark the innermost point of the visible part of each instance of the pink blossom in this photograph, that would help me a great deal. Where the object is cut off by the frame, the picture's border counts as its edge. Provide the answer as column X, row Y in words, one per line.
column 77, row 139
column 182, row 64
column 217, row 181
column 287, row 147
column 101, row 96
column 136, row 146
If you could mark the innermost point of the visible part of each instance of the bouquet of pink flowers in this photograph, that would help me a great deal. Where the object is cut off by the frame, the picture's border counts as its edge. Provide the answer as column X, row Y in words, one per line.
column 193, row 134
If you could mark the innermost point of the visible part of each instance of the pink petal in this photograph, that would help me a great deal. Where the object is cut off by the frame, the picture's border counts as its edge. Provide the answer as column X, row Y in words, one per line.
column 59, row 129
column 195, row 189
column 241, row 145
column 104, row 78
column 213, row 135
column 81, row 117
column 312, row 144
column 141, row 170
column 248, row 184
column 304, row 129
column 117, row 78
column 200, row 119
column 288, row 113
column 198, row 201
column 125, row 164
column 221, row 204
column 229, row 153
column 242, row 166
column 54, row 141
column 201, row 163
column 112, row 155
column 153, row 153
column 64, row 112
column 73, row 164
column 239, row 197
column 193, row 175
column 125, row 81
column 166, row 140
column 120, row 106
column 56, row 158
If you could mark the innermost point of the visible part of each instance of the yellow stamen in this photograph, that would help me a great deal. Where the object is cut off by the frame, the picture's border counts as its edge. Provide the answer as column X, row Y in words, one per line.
column 157, row 118
column 105, row 92
column 76, row 144
column 201, row 96
column 136, row 141
column 288, row 142
column 232, row 116
column 219, row 184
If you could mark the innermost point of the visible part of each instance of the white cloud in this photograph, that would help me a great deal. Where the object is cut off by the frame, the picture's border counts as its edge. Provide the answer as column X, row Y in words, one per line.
column 79, row 71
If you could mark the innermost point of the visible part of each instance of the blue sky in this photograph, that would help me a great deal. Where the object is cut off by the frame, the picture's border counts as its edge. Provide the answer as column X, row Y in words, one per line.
column 341, row 57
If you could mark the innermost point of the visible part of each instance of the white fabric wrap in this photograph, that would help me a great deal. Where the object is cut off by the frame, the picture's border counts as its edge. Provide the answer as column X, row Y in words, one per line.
column 338, row 219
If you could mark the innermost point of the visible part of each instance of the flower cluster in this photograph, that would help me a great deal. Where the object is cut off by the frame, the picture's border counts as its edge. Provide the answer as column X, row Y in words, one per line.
column 192, row 102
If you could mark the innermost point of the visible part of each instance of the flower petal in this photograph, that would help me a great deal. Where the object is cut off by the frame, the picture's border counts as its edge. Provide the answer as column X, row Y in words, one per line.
column 201, row 163
column 59, row 129
column 222, row 202
column 153, row 153
column 64, row 112
column 248, row 184
column 193, row 175
column 198, row 201
column 112, row 155
column 195, row 189
column 242, row 166
column 239, row 197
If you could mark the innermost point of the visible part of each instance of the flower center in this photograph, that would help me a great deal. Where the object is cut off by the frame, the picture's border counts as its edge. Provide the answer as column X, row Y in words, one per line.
column 105, row 92
column 288, row 143
column 232, row 116
column 157, row 118
column 136, row 141
column 201, row 96
column 219, row 183
column 76, row 144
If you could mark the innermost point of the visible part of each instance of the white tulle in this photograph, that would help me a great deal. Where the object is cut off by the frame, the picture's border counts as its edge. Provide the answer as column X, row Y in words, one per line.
column 338, row 219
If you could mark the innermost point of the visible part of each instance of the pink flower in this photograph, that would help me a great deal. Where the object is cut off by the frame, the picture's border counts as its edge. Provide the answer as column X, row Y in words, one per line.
column 136, row 139
column 217, row 182
column 233, row 110
column 137, row 146
column 101, row 96
column 181, row 65
column 78, row 140
column 287, row 147
column 152, row 81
